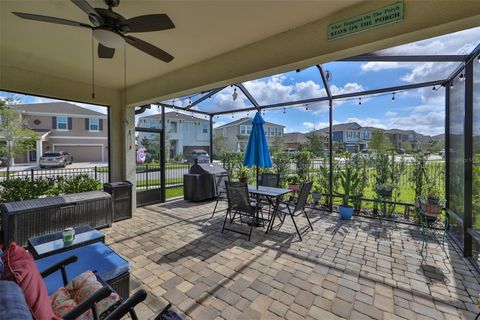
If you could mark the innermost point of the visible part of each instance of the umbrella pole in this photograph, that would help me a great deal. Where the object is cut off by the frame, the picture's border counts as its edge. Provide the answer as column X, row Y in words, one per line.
column 257, row 177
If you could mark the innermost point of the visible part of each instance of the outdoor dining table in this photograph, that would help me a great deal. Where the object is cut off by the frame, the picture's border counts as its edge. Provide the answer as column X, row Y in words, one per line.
column 273, row 196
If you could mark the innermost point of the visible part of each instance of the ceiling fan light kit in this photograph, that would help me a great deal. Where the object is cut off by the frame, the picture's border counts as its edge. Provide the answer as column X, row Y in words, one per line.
column 110, row 28
column 108, row 38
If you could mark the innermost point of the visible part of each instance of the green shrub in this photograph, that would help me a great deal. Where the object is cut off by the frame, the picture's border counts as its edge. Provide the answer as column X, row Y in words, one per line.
column 19, row 189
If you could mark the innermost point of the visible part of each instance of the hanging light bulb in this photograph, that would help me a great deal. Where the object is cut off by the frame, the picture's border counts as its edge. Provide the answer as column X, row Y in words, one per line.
column 264, row 111
column 434, row 89
column 283, row 110
column 306, row 107
column 478, row 59
column 235, row 94
column 461, row 77
column 232, row 115
column 192, row 114
column 359, row 101
column 393, row 96
column 189, row 101
column 451, row 84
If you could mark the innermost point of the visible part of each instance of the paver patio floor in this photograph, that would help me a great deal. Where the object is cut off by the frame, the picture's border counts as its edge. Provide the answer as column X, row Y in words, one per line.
column 355, row 270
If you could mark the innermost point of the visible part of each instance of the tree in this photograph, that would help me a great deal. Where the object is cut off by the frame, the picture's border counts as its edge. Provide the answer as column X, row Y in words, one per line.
column 380, row 142
column 338, row 147
column 315, row 143
column 407, row 146
column 17, row 137
column 277, row 145
column 219, row 144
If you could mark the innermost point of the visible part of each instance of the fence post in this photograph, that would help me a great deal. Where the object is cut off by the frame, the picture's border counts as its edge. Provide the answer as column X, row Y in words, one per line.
column 96, row 177
column 31, row 174
column 146, row 176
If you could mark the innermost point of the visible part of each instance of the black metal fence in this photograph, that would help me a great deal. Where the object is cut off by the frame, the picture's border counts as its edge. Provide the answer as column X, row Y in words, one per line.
column 98, row 173
column 148, row 176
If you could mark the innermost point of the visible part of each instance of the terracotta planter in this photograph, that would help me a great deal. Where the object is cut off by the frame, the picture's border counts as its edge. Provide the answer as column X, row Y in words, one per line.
column 293, row 187
column 432, row 207
column 243, row 179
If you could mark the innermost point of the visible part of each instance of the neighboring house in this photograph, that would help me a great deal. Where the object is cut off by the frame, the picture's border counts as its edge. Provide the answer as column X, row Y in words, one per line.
column 400, row 137
column 238, row 131
column 353, row 136
column 62, row 126
column 293, row 140
column 184, row 132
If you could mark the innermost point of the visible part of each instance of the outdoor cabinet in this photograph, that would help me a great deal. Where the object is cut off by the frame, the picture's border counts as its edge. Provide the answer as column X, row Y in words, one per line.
column 122, row 199
column 22, row 220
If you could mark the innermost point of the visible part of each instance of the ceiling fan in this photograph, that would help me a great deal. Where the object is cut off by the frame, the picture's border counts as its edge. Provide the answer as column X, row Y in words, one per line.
column 111, row 29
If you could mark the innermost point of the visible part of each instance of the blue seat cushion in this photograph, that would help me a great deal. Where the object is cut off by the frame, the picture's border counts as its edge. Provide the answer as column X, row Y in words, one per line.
column 12, row 302
column 95, row 257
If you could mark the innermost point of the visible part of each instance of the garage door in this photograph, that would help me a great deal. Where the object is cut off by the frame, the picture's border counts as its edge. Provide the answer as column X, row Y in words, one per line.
column 83, row 153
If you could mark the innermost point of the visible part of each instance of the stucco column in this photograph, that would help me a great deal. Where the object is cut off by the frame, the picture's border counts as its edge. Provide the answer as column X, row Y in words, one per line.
column 122, row 145
column 38, row 149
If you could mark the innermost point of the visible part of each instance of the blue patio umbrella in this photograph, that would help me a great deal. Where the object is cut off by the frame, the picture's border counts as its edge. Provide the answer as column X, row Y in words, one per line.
column 257, row 153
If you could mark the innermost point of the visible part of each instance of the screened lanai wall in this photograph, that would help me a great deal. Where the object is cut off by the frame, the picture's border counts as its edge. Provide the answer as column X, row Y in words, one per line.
column 455, row 88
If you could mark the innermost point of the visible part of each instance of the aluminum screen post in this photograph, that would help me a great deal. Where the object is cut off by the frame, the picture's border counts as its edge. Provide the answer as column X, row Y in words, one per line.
column 163, row 196
column 468, row 136
column 211, row 138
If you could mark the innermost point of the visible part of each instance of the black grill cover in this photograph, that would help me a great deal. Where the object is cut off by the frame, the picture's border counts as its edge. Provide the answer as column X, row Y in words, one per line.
column 204, row 181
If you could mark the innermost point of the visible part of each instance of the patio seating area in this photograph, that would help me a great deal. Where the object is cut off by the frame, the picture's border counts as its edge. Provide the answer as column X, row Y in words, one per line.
column 358, row 269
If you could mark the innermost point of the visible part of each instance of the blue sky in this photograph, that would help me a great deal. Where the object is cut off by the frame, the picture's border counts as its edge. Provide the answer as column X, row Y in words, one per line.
column 421, row 109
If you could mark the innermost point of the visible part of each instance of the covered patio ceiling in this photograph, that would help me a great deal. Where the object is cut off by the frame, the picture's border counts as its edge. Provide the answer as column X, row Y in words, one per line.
column 215, row 43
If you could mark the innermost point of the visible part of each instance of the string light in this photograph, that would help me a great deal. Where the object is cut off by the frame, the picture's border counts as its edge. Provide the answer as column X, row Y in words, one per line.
column 393, row 96
column 461, row 77
column 189, row 101
column 478, row 59
column 192, row 114
column 235, row 94
column 306, row 106
column 359, row 101
column 232, row 115
column 434, row 89
column 451, row 84
column 283, row 110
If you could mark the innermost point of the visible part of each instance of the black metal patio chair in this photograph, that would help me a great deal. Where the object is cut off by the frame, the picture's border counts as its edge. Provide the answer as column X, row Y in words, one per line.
column 294, row 208
column 270, row 180
column 239, row 204
column 222, row 193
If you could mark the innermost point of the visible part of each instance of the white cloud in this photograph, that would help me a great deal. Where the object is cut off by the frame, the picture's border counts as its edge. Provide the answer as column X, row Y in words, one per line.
column 390, row 114
column 369, row 122
column 379, row 65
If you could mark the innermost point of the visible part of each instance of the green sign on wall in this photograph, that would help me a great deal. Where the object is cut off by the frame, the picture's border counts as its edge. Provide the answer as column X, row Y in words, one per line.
column 376, row 18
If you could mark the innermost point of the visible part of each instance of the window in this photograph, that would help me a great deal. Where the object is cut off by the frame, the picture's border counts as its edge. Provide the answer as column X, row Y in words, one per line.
column 152, row 124
column 94, row 124
column 173, row 126
column 205, row 128
column 279, row 133
column 62, row 123
column 245, row 130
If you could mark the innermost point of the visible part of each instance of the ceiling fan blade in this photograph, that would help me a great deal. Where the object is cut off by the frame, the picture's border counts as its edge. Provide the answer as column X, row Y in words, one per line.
column 105, row 52
column 93, row 15
column 149, row 49
column 150, row 22
column 37, row 17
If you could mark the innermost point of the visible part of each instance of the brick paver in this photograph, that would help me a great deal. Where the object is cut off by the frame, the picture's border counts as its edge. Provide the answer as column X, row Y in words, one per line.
column 359, row 269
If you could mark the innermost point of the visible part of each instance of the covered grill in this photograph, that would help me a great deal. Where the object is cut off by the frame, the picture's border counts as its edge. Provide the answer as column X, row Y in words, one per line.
column 204, row 181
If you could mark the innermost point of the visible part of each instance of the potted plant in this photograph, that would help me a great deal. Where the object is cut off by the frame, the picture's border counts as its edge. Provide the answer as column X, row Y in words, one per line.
column 433, row 204
column 349, row 181
column 243, row 174
column 293, row 183
column 316, row 193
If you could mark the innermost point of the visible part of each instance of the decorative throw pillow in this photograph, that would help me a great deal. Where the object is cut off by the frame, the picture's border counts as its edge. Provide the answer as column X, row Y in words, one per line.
column 78, row 290
column 1, row 263
column 20, row 267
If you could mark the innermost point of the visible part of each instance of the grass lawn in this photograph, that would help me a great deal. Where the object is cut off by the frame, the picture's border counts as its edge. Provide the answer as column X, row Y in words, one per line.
column 174, row 192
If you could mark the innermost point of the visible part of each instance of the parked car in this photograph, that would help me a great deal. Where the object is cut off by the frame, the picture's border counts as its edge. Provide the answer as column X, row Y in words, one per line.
column 200, row 155
column 4, row 162
column 55, row 159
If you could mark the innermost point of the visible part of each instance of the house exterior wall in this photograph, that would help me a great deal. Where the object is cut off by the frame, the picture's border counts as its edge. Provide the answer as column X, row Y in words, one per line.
column 183, row 134
column 237, row 135
column 84, row 144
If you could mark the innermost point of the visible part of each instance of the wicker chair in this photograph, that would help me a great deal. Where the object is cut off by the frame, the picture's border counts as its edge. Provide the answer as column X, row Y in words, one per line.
column 296, row 208
column 239, row 204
